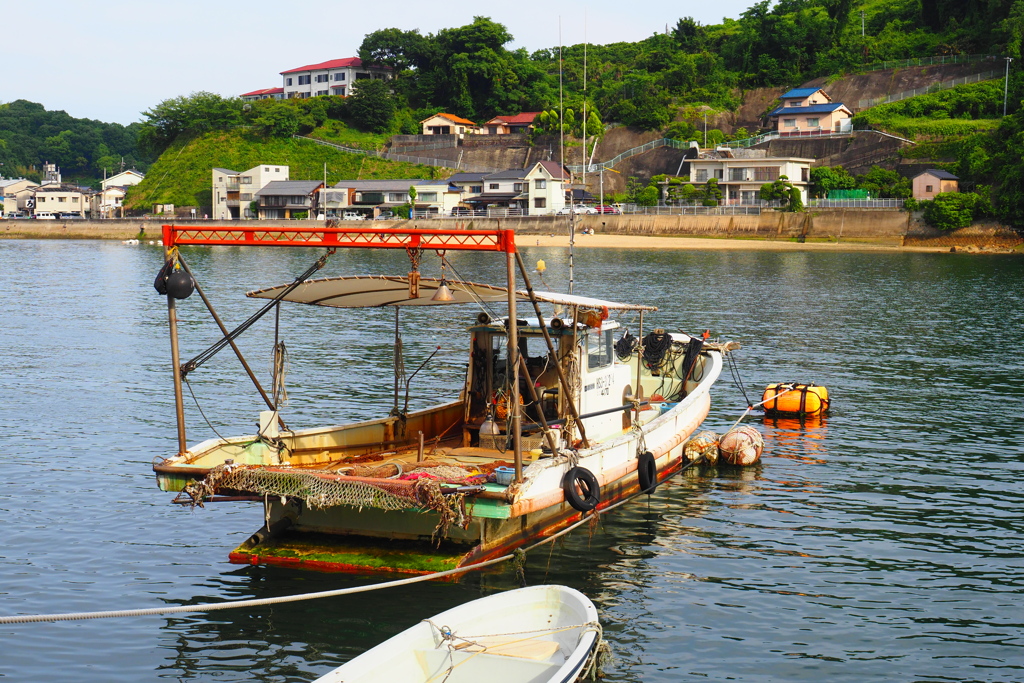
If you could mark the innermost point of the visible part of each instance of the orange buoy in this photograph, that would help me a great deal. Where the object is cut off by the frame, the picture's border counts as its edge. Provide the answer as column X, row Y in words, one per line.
column 793, row 399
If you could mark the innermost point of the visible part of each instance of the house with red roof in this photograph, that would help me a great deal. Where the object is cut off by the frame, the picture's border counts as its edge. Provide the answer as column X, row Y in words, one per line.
column 505, row 125
column 263, row 94
column 333, row 77
column 448, row 124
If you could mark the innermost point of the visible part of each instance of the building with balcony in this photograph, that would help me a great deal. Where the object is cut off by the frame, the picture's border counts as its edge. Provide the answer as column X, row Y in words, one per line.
column 333, row 77
column 288, row 199
column 234, row 192
column 371, row 198
column 60, row 198
column 810, row 110
column 537, row 190
column 740, row 180
column 15, row 196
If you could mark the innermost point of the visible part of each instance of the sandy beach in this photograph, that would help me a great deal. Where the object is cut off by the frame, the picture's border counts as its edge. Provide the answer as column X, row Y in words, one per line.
column 696, row 243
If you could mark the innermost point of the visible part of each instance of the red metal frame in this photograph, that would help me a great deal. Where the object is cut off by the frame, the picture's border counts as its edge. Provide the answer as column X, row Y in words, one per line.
column 341, row 238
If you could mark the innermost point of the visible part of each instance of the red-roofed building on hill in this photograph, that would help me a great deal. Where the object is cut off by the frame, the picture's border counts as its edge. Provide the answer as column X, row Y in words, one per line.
column 448, row 124
column 333, row 77
column 264, row 94
column 504, row 125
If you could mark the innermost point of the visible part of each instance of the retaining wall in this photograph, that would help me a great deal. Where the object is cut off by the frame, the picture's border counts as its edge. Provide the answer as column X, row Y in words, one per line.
column 855, row 224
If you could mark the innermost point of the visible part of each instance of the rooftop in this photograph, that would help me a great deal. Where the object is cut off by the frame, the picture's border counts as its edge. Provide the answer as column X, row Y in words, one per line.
column 451, row 117
column 809, row 109
column 526, row 117
column 335, row 64
column 289, row 187
column 941, row 175
column 804, row 92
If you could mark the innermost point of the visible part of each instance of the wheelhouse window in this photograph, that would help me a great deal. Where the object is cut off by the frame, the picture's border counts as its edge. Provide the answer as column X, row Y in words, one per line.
column 599, row 349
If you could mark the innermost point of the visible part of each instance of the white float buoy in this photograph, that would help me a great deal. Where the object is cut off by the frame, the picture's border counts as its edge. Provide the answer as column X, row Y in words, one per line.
column 703, row 445
column 741, row 446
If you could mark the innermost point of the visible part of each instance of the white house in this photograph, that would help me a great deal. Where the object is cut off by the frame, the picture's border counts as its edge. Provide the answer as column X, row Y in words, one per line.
column 15, row 195
column 263, row 94
column 123, row 179
column 740, row 180
column 537, row 190
column 107, row 203
column 334, row 77
column 234, row 192
column 371, row 197
column 58, row 198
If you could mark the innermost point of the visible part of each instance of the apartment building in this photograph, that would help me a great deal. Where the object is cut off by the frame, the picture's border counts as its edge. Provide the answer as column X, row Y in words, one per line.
column 333, row 77
column 740, row 180
column 234, row 191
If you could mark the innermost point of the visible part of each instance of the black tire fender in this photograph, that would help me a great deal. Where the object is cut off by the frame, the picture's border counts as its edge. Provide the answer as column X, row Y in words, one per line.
column 647, row 472
column 577, row 480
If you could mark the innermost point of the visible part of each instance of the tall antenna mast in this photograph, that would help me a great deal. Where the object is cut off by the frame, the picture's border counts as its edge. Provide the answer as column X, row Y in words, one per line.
column 561, row 154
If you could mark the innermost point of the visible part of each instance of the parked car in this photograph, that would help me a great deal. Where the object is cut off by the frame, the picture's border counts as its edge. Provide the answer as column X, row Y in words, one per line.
column 72, row 217
column 353, row 216
column 461, row 211
column 44, row 216
column 607, row 209
column 578, row 209
column 386, row 216
column 16, row 215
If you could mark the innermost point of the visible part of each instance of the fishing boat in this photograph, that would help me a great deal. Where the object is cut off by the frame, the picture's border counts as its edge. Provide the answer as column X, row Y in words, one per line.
column 538, row 634
column 559, row 416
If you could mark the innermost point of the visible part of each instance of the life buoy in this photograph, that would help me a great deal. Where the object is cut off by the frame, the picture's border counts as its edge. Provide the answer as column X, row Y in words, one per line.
column 647, row 472
column 577, row 480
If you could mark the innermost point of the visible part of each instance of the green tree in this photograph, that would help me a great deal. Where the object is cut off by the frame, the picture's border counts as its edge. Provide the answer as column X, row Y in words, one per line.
column 881, row 182
column 951, row 210
column 783, row 192
column 412, row 199
column 194, row 115
column 824, row 179
column 280, row 122
column 371, row 107
column 711, row 194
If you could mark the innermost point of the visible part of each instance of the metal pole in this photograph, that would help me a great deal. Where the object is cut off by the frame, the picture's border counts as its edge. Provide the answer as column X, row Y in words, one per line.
column 1006, row 84
column 513, row 362
column 179, row 401
column 639, row 361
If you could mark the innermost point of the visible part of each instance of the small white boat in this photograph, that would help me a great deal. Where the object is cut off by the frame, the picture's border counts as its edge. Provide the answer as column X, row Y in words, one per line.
column 535, row 634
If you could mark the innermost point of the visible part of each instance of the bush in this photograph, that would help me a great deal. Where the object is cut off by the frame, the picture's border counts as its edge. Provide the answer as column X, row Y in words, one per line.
column 951, row 210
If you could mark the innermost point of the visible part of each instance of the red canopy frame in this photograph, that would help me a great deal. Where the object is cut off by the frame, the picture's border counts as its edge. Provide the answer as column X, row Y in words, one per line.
column 341, row 238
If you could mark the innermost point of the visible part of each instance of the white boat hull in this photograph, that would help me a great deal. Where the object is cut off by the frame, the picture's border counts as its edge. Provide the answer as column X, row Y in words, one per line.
column 531, row 635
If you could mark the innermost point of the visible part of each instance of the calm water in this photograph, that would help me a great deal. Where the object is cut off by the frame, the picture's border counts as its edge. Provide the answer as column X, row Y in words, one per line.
column 884, row 543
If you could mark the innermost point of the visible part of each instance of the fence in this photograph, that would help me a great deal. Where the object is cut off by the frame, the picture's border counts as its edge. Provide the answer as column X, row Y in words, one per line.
column 928, row 61
column 341, row 148
column 424, row 161
column 855, row 203
column 935, row 87
column 745, row 210
column 646, row 147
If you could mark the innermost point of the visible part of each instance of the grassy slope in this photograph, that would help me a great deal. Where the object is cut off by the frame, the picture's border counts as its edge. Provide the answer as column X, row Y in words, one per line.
column 182, row 174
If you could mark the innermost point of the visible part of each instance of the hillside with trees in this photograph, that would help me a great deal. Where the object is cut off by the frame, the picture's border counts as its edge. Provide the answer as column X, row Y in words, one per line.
column 84, row 149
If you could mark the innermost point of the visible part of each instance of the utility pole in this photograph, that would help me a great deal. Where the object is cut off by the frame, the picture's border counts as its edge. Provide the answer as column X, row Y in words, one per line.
column 862, row 23
column 705, row 130
column 1006, row 84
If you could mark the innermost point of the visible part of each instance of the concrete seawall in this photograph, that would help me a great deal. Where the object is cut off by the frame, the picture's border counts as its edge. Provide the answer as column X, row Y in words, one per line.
column 884, row 227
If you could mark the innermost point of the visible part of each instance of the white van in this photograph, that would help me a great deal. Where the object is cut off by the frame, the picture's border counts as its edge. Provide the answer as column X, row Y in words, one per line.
column 44, row 216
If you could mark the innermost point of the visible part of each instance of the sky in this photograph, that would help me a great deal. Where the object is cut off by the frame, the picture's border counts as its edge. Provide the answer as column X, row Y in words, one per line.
column 115, row 59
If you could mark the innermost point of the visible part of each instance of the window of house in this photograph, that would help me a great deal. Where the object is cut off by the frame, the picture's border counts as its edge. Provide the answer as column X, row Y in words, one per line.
column 720, row 173
column 321, row 92
column 794, row 103
column 805, row 174
column 246, row 196
column 766, row 173
column 340, row 76
column 540, row 202
column 702, row 176
column 287, row 81
column 340, row 92
column 540, row 184
column 476, row 188
column 813, row 123
column 247, row 180
column 62, row 199
column 738, row 174
column 303, row 80
column 428, row 196
column 493, row 186
column 322, row 78
column 517, row 187
column 789, row 123
column 276, row 170
column 361, row 75
column 220, row 180
column 927, row 188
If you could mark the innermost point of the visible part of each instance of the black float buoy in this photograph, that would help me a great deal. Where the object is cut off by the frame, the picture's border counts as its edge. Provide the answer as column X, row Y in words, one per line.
column 180, row 284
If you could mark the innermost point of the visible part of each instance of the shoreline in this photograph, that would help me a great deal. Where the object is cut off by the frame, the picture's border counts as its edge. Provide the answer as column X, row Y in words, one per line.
column 611, row 241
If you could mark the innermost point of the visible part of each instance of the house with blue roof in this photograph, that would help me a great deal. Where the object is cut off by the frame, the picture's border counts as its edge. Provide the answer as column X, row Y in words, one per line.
column 810, row 111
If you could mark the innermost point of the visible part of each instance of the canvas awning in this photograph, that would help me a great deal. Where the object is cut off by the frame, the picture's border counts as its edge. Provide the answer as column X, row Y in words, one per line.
column 371, row 291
